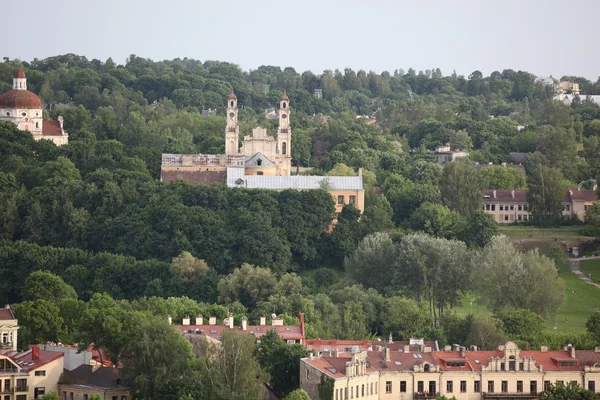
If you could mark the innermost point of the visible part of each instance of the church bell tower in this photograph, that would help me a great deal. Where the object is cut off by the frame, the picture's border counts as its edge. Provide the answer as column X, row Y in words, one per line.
column 232, row 130
column 284, row 135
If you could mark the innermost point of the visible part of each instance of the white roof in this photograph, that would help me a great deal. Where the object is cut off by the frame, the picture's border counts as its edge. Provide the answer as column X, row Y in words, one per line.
column 235, row 179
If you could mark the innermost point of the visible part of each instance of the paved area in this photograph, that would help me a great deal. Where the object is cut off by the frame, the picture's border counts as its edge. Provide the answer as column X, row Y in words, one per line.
column 574, row 265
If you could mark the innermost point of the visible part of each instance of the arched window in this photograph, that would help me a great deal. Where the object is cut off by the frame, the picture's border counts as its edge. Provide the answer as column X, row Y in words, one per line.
column 37, row 125
column 284, row 148
column 284, row 105
column 231, row 103
column 511, row 363
column 231, row 146
column 426, row 368
column 8, row 113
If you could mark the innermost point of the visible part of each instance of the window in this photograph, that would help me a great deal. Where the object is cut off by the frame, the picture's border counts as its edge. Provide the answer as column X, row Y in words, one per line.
column 403, row 386
column 463, row 386
column 352, row 199
column 449, row 386
column 362, row 391
column 259, row 173
column 512, row 207
column 259, row 162
column 37, row 124
column 346, row 392
column 21, row 397
column 487, row 207
column 506, row 217
column 39, row 392
column 491, row 386
column 432, row 387
column 357, row 391
column 426, row 368
column 307, row 373
column 520, row 207
column 519, row 217
column 477, row 386
column 388, row 386
column 573, row 383
column 511, row 364
column 501, row 207
column 340, row 200
column 592, row 386
column 371, row 391
column 23, row 114
column 533, row 387
column 502, row 367
column 519, row 386
column 567, row 207
column 40, row 373
column 521, row 366
column 85, row 397
column 284, row 148
column 351, row 392
column 493, row 207
column 525, row 207
column 420, row 387
column 115, row 398
column 71, row 395
column 504, row 386
column 8, row 113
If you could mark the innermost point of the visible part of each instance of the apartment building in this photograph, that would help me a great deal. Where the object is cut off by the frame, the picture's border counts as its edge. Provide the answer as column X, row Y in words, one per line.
column 507, row 372
column 9, row 328
column 510, row 206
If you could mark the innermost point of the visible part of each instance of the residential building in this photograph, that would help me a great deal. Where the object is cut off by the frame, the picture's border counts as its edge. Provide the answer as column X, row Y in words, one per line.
column 568, row 87
column 320, row 347
column 262, row 162
column 445, row 154
column 568, row 99
column 212, row 331
column 507, row 372
column 29, row 374
column 88, row 380
column 24, row 109
column 510, row 206
column 9, row 329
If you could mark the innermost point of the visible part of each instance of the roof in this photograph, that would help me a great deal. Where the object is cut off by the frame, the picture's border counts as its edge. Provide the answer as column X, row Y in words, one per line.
column 19, row 73
column 285, row 97
column 252, row 161
column 51, row 128
column 6, row 314
column 297, row 182
column 89, row 375
column 286, row 332
column 28, row 361
column 576, row 194
column 519, row 196
column 20, row 99
column 232, row 96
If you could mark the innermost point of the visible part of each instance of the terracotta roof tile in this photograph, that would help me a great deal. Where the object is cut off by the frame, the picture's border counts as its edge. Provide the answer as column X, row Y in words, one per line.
column 20, row 99
column 6, row 314
column 51, row 128
column 19, row 73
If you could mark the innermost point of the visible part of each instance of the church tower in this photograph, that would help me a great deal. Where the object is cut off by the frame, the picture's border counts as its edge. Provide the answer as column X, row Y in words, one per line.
column 284, row 136
column 232, row 130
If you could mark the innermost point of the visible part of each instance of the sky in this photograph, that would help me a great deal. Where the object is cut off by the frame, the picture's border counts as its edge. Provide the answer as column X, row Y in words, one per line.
column 544, row 37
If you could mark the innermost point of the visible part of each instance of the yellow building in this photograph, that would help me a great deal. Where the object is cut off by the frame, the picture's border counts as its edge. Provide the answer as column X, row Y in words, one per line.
column 30, row 374
column 262, row 162
column 505, row 373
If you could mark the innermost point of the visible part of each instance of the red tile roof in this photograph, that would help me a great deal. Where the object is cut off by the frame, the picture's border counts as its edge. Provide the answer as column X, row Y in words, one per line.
column 505, row 195
column 27, row 361
column 19, row 73
column 287, row 332
column 51, row 128
column 20, row 99
column 577, row 194
column 6, row 314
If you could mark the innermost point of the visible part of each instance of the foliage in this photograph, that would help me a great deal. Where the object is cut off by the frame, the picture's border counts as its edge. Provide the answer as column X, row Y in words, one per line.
column 44, row 285
column 461, row 187
column 546, row 192
column 298, row 394
column 187, row 267
column 559, row 390
column 326, row 388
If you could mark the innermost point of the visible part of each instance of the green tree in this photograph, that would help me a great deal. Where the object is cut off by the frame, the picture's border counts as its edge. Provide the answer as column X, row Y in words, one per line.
column 298, row 394
column 546, row 192
column 45, row 285
column 479, row 229
column 50, row 396
column 520, row 323
column 503, row 177
column 461, row 187
column 341, row 170
column 187, row 267
column 593, row 324
column 436, row 220
column 486, row 334
column 378, row 215
column 249, row 285
column 592, row 217
column 371, row 261
column 40, row 322
column 560, row 391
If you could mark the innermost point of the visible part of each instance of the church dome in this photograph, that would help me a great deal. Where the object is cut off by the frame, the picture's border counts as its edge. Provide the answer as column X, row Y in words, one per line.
column 17, row 99
column 284, row 97
column 19, row 73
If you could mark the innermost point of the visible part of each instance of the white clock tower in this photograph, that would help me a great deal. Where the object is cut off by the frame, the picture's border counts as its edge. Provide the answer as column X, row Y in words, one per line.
column 232, row 130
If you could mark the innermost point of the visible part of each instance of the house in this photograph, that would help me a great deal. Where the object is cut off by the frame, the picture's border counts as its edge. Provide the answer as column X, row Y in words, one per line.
column 9, row 328
column 212, row 331
column 510, row 206
column 320, row 347
column 507, row 372
column 29, row 374
column 444, row 154
column 262, row 162
column 24, row 109
column 87, row 380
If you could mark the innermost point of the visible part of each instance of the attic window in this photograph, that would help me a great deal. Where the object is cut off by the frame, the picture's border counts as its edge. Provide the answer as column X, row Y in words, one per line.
column 213, row 331
column 398, row 363
column 332, row 370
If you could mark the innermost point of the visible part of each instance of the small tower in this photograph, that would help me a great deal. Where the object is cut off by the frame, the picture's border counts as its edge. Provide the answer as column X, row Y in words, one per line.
column 284, row 136
column 232, row 130
column 19, row 80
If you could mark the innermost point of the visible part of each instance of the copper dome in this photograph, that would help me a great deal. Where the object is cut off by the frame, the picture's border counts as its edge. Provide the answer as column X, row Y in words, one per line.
column 18, row 99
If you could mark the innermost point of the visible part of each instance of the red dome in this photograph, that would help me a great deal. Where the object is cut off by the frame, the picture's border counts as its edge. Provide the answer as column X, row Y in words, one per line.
column 16, row 99
column 232, row 96
column 19, row 74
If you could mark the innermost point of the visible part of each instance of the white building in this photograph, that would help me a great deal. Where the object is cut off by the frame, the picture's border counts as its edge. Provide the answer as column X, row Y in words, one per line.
column 24, row 109
column 8, row 329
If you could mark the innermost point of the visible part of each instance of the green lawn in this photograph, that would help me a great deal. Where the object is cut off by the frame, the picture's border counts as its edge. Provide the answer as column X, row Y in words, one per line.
column 527, row 238
column 591, row 267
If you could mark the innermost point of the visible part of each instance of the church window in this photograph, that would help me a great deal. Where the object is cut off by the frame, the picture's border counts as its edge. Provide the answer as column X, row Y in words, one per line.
column 23, row 114
column 284, row 148
column 259, row 162
column 231, row 103
column 37, row 124
column 284, row 105
column 8, row 113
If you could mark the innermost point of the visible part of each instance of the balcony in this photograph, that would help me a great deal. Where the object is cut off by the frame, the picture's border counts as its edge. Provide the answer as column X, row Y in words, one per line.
column 506, row 395
column 21, row 388
column 426, row 395
column 6, row 390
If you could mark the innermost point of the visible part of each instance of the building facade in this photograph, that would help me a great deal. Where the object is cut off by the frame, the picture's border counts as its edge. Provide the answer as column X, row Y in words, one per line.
column 445, row 154
column 511, row 206
column 87, row 380
column 9, row 329
column 261, row 162
column 505, row 373
column 24, row 109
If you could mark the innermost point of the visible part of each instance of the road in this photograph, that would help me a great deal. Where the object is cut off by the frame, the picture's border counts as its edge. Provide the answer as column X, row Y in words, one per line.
column 574, row 265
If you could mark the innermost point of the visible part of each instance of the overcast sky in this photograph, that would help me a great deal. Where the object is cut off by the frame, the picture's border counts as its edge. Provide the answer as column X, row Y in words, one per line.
column 544, row 37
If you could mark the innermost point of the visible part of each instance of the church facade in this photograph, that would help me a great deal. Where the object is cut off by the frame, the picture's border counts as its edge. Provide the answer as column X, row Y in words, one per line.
column 24, row 109
column 261, row 162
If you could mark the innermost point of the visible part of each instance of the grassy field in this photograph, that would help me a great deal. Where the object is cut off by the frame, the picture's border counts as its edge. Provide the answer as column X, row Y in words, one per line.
column 529, row 237
column 591, row 267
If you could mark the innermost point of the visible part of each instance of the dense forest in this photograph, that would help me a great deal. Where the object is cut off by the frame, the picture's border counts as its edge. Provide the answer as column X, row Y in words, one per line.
column 88, row 232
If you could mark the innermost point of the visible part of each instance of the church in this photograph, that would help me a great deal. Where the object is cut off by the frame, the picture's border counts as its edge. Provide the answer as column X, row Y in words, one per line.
column 24, row 109
column 262, row 162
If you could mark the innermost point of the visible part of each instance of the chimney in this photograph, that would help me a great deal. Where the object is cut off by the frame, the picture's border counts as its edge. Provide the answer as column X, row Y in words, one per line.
column 244, row 324
column 35, row 352
column 512, row 193
column 543, row 349
column 473, row 347
column 456, row 347
column 501, row 347
column 463, row 351
column 212, row 320
column 61, row 121
column 564, row 347
column 447, row 348
column 199, row 320
column 277, row 322
column 386, row 354
column 597, row 349
column 186, row 320
column 406, row 348
column 7, row 306
column 170, row 319
column 230, row 321
column 572, row 349
column 301, row 317
column 263, row 321
column 390, row 339
column 494, row 193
